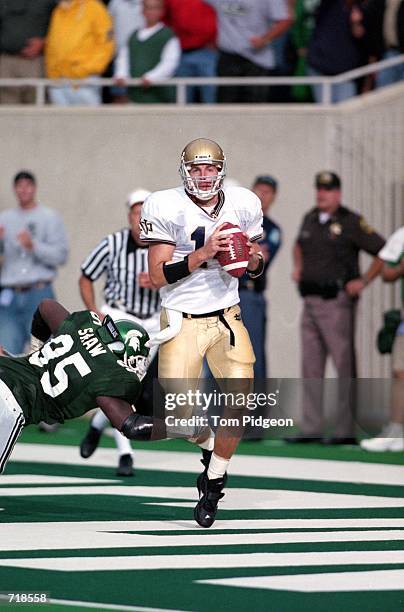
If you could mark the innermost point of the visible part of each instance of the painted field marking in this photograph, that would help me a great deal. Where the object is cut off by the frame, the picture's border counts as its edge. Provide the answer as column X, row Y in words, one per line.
column 170, row 562
column 377, row 580
column 101, row 606
column 241, row 465
column 88, row 538
column 235, row 498
column 39, row 479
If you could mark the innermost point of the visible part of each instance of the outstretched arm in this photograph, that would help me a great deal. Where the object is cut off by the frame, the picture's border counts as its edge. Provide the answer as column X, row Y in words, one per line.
column 133, row 425
column 46, row 320
column 52, row 313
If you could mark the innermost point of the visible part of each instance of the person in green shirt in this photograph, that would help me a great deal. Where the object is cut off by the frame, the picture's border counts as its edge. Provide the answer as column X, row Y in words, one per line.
column 77, row 363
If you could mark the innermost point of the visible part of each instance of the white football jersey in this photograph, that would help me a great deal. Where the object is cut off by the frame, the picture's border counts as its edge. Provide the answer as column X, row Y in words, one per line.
column 171, row 217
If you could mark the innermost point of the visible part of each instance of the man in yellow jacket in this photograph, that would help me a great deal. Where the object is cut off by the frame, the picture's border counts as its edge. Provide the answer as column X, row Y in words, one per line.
column 79, row 45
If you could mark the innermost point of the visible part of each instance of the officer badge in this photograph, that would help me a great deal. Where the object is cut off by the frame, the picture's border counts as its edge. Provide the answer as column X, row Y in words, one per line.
column 336, row 229
column 365, row 227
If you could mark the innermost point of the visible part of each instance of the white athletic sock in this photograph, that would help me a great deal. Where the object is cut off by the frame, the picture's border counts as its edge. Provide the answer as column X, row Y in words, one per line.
column 394, row 430
column 122, row 443
column 99, row 420
column 209, row 443
column 217, row 467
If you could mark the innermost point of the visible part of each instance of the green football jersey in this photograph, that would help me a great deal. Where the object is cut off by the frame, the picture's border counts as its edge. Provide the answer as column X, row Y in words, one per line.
column 63, row 379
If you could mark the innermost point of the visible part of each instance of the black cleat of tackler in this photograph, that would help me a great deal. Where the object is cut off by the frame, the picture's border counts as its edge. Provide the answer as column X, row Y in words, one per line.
column 90, row 442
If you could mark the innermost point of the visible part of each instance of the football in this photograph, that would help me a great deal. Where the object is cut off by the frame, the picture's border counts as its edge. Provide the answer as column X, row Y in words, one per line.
column 235, row 261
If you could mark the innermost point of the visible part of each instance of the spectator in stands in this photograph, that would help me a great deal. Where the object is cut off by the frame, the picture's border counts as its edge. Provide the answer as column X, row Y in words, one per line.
column 337, row 45
column 33, row 245
column 194, row 22
column 246, row 29
column 252, row 291
column 152, row 53
column 391, row 438
column 326, row 268
column 384, row 24
column 79, row 45
column 23, row 27
column 300, row 35
column 127, row 16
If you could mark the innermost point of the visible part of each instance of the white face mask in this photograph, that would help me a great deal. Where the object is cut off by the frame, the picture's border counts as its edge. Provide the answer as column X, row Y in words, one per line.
column 138, row 365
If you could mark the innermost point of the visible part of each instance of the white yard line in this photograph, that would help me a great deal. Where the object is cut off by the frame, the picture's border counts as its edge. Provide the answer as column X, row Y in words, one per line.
column 241, row 465
column 171, row 562
column 100, row 606
column 377, row 580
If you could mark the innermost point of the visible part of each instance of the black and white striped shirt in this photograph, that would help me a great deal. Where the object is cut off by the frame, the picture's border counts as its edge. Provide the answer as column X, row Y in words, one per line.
column 122, row 260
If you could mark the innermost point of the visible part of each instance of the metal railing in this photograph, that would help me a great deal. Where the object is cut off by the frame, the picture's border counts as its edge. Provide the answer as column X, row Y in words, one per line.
column 181, row 84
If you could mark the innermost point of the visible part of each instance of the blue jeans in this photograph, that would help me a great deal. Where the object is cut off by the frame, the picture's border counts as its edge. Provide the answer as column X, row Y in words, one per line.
column 199, row 63
column 253, row 313
column 16, row 318
column 388, row 76
column 71, row 96
column 339, row 92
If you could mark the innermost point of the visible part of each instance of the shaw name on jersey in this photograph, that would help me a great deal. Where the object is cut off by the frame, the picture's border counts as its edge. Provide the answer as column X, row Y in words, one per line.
column 63, row 379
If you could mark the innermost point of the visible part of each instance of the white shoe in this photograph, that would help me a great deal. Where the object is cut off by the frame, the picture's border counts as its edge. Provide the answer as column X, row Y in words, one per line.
column 48, row 427
column 384, row 441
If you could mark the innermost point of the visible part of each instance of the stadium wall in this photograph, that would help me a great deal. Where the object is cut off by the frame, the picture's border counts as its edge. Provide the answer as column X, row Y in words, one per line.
column 87, row 160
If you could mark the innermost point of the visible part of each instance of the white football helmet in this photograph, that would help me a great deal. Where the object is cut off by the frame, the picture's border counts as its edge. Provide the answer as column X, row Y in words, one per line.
column 202, row 151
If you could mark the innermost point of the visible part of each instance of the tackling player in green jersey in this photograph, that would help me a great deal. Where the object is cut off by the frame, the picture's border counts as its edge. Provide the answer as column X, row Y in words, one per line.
column 78, row 363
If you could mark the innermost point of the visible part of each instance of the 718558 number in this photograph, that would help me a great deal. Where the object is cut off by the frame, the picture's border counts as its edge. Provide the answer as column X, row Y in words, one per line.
column 27, row 597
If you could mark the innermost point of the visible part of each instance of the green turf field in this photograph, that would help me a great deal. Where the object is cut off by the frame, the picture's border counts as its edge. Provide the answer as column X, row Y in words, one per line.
column 300, row 528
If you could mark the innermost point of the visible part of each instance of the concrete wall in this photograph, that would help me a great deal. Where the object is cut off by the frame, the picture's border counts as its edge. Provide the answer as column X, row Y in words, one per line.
column 87, row 160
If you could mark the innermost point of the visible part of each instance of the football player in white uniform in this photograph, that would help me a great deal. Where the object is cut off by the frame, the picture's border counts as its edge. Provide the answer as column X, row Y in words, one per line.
column 200, row 315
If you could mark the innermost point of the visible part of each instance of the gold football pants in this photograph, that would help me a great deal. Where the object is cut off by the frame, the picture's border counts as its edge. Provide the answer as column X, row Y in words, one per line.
column 182, row 356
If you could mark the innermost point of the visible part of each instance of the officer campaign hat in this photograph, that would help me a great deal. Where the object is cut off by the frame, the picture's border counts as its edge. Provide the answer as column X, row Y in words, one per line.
column 327, row 180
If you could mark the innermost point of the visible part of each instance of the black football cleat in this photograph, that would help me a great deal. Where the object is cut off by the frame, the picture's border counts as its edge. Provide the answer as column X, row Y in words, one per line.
column 347, row 440
column 210, row 492
column 125, row 467
column 206, row 455
column 90, row 442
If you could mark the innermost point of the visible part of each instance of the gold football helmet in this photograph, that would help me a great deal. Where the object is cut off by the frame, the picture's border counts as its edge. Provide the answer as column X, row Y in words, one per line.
column 202, row 151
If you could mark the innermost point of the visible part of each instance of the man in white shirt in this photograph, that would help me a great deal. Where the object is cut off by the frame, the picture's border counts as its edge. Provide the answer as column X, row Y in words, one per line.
column 391, row 438
column 151, row 54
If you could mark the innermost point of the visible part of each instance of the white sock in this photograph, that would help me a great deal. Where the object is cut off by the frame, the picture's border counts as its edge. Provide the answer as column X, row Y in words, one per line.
column 396, row 430
column 217, row 467
column 209, row 442
column 122, row 443
column 99, row 420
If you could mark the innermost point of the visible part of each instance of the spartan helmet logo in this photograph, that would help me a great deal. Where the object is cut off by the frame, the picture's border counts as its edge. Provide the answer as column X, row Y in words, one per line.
column 202, row 151
column 133, row 339
column 135, row 346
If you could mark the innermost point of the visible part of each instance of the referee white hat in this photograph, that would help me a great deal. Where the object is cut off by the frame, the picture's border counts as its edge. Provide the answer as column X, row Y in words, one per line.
column 137, row 197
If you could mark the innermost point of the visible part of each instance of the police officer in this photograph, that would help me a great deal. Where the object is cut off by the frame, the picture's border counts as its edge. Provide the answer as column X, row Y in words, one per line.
column 252, row 291
column 326, row 269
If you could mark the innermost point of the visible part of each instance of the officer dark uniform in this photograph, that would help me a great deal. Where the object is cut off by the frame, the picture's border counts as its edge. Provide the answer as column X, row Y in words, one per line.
column 327, row 247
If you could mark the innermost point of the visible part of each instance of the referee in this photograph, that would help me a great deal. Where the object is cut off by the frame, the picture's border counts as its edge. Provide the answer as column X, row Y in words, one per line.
column 122, row 259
